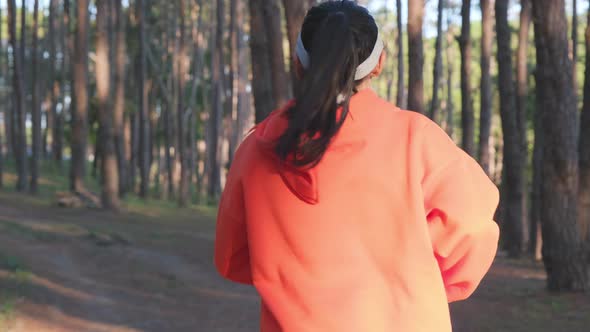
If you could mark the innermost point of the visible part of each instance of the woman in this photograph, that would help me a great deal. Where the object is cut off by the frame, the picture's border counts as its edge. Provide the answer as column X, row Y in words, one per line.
column 347, row 213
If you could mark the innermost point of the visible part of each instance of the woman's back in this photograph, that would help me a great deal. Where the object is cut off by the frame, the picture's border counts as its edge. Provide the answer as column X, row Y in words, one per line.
column 393, row 222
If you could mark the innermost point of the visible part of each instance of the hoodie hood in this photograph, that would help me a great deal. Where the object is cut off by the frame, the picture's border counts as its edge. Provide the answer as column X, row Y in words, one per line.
column 303, row 181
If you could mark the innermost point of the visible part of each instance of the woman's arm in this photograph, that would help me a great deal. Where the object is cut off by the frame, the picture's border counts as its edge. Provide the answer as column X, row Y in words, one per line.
column 460, row 202
column 232, row 257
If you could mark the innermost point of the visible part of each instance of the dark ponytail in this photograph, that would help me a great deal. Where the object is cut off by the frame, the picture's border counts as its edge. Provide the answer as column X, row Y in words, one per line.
column 333, row 36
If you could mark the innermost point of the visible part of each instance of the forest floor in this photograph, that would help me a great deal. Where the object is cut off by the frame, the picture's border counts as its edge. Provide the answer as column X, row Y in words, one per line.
column 150, row 269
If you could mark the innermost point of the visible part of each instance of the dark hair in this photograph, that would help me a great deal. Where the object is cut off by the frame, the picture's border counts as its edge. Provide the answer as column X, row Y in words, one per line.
column 338, row 35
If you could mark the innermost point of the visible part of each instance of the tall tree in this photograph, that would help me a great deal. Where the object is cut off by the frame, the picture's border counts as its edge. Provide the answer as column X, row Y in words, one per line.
column 416, row 56
column 54, row 86
column 522, row 90
column 144, row 148
column 574, row 33
column 513, row 161
column 467, row 116
column 438, row 63
column 216, row 116
column 261, row 69
column 23, row 36
column 401, row 86
column 181, row 72
column 563, row 252
column 67, row 46
column 36, row 106
column 80, row 113
column 485, row 118
column 450, row 85
column 9, row 103
column 584, row 197
column 295, row 11
column 109, row 170
column 18, row 100
column 274, row 35
column 119, row 97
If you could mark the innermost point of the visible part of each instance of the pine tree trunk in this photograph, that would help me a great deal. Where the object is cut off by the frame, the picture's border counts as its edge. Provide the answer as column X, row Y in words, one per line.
column 513, row 162
column 401, row 84
column 234, row 56
column 563, row 250
column 119, row 98
column 134, row 153
column 522, row 90
column 80, row 113
column 109, row 170
column 261, row 68
column 467, row 114
column 36, row 107
column 450, row 85
column 584, row 196
column 485, row 118
column 67, row 43
column 18, row 101
column 274, row 35
column 416, row 56
column 9, row 103
column 438, row 64
column 54, row 89
column 244, row 120
column 144, row 149
column 216, row 117
column 574, row 33
column 181, row 71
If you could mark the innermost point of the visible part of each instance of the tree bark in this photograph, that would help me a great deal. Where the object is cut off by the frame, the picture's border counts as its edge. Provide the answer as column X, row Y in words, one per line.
column 274, row 35
column 144, row 149
column 234, row 76
column 261, row 68
column 53, row 82
column 295, row 11
column 36, row 106
column 80, row 113
column 513, row 162
column 67, row 44
column 8, row 102
column 181, row 72
column 574, row 34
column 563, row 250
column 467, row 114
column 450, row 85
column 522, row 90
column 216, row 116
column 244, row 116
column 416, row 56
column 485, row 119
column 438, row 64
column 18, row 101
column 584, row 196
column 109, row 170
column 119, row 98
column 401, row 84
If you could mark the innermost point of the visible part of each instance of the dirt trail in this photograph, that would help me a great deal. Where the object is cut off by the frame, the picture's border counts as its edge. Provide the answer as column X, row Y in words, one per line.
column 96, row 272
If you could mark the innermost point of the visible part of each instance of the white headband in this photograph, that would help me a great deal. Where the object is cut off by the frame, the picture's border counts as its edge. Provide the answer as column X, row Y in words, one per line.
column 362, row 70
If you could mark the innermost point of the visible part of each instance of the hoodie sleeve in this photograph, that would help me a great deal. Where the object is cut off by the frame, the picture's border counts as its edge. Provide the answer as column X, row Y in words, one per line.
column 460, row 202
column 232, row 257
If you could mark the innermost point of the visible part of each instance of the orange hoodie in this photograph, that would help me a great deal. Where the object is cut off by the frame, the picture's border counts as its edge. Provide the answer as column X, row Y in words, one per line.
column 392, row 224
